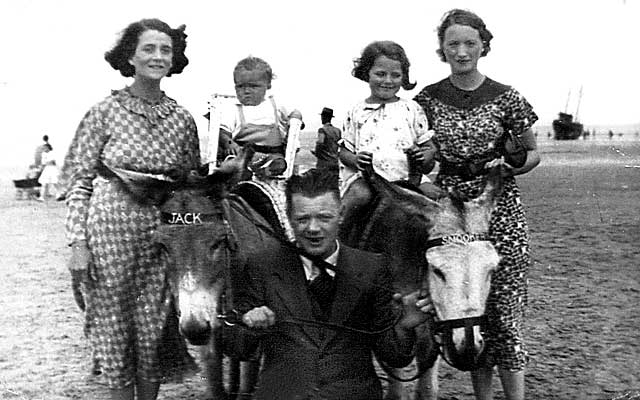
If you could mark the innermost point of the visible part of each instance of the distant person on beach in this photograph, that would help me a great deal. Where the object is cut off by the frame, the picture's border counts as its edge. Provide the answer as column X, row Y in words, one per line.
column 383, row 130
column 326, row 150
column 49, row 175
column 37, row 158
column 126, row 297
column 470, row 113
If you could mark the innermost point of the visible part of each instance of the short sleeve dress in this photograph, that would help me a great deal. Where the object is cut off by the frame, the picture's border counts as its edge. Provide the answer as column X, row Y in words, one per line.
column 127, row 306
column 468, row 126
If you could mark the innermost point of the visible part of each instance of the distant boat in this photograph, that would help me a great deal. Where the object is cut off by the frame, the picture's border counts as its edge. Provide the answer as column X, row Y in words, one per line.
column 565, row 128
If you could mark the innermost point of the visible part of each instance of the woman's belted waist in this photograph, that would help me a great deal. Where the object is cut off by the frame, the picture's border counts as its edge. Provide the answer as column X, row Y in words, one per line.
column 466, row 170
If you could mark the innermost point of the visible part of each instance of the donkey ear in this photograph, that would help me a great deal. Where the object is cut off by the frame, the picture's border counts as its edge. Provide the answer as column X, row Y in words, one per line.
column 411, row 202
column 493, row 188
column 478, row 211
column 144, row 187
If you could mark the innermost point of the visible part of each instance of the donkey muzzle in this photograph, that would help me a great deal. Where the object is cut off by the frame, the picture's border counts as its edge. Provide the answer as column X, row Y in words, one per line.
column 469, row 356
column 196, row 332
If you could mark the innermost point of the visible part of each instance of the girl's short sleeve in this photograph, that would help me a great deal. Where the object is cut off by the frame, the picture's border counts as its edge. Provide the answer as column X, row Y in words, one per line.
column 420, row 124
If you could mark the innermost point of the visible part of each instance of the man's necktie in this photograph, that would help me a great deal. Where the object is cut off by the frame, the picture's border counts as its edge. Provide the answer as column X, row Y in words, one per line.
column 323, row 288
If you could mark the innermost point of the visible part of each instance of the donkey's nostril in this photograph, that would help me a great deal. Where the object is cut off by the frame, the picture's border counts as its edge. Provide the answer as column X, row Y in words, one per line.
column 197, row 333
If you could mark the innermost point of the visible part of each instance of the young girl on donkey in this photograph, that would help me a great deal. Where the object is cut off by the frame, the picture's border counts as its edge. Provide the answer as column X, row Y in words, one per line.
column 384, row 130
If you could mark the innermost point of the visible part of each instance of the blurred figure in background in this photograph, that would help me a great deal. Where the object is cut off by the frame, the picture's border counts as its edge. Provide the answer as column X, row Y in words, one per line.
column 49, row 175
column 326, row 150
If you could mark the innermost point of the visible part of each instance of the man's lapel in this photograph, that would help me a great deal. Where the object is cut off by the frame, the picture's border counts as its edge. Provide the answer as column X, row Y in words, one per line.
column 293, row 293
column 348, row 290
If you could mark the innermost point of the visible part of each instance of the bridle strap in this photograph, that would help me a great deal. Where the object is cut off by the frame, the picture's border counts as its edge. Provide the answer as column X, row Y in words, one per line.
column 460, row 323
column 232, row 259
column 233, row 318
column 187, row 218
column 461, row 238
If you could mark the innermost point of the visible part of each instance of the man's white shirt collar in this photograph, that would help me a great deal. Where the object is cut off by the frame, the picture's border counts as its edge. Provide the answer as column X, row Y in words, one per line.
column 311, row 271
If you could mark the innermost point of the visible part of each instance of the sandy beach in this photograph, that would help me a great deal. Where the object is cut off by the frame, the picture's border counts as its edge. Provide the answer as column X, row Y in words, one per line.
column 583, row 325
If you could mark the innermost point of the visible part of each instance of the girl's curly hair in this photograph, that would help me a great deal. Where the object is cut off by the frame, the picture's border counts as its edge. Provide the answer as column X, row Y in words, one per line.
column 386, row 48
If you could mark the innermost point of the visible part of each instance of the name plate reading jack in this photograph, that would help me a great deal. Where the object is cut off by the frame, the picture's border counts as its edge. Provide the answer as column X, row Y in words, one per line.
column 182, row 218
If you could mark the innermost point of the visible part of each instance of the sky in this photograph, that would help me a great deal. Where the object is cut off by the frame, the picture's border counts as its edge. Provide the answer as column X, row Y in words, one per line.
column 53, row 67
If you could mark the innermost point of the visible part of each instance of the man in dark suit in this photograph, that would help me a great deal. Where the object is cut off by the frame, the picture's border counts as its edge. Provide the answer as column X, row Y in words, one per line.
column 284, row 293
column 326, row 150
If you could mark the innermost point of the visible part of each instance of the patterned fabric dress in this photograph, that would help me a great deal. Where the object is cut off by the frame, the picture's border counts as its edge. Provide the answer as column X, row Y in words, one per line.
column 127, row 306
column 468, row 126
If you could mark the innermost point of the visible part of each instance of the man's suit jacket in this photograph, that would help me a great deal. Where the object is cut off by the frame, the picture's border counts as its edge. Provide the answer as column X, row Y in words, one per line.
column 307, row 362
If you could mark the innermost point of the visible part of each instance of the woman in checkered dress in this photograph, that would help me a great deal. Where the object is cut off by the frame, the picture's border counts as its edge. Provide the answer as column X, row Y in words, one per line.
column 124, row 279
column 469, row 113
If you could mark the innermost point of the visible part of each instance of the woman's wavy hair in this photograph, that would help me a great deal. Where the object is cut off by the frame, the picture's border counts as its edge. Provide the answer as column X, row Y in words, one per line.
column 386, row 48
column 468, row 18
column 118, row 57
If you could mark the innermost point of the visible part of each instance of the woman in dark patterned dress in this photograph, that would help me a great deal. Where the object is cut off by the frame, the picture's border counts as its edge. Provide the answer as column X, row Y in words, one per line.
column 470, row 113
column 138, row 128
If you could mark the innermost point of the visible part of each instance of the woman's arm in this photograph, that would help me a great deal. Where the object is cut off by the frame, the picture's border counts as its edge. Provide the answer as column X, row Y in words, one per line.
column 533, row 157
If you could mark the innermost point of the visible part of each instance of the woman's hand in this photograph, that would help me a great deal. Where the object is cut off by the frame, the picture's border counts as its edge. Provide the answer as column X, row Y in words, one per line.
column 78, row 265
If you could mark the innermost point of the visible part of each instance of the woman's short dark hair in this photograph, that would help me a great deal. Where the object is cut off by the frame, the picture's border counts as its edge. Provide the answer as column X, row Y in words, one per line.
column 312, row 183
column 468, row 18
column 118, row 57
column 386, row 48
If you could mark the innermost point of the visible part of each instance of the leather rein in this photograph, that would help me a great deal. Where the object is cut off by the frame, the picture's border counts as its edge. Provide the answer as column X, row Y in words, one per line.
column 230, row 316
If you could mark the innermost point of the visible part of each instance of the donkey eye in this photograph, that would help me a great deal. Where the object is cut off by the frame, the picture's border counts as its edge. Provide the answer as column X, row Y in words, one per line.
column 437, row 272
